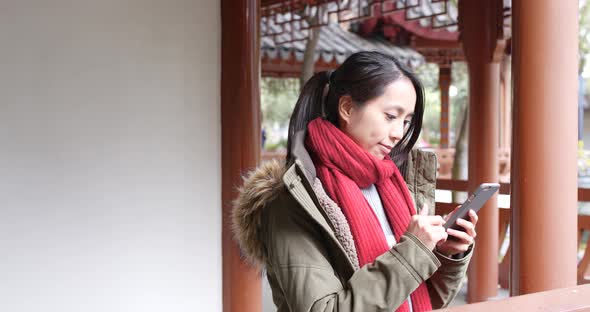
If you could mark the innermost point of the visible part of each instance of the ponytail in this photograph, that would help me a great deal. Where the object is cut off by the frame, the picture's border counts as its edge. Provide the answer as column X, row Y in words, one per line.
column 309, row 106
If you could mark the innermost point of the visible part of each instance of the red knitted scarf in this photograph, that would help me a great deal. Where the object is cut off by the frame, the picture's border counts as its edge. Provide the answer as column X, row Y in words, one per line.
column 344, row 168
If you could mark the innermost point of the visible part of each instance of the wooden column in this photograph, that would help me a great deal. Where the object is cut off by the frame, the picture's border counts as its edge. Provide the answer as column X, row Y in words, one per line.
column 505, row 103
column 479, row 22
column 240, row 135
column 484, row 95
column 444, row 83
column 544, row 172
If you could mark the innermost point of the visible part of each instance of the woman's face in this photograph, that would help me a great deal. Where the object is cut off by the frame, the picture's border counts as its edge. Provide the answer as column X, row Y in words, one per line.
column 381, row 123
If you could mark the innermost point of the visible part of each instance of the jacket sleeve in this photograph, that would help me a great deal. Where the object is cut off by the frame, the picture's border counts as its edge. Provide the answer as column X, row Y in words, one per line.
column 445, row 284
column 302, row 268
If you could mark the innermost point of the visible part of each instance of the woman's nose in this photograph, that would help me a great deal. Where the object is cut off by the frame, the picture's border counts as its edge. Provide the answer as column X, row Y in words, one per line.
column 397, row 131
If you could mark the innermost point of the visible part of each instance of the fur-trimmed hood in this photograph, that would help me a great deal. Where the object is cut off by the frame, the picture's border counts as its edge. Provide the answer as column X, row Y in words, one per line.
column 261, row 186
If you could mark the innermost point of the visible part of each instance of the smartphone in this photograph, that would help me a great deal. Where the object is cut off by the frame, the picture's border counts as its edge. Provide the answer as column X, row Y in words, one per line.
column 474, row 202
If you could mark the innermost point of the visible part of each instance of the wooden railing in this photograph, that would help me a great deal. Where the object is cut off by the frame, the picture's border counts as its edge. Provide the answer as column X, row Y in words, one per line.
column 564, row 299
column 446, row 158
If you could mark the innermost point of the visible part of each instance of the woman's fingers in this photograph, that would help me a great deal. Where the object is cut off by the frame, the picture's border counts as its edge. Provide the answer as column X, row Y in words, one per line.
column 424, row 211
column 440, row 233
column 428, row 220
column 433, row 220
column 468, row 226
column 428, row 228
column 462, row 237
column 453, row 247
column 474, row 217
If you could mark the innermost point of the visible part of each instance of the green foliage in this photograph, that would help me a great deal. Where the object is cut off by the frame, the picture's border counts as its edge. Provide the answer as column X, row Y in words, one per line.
column 277, row 100
column 460, row 80
column 428, row 74
column 278, row 97
column 281, row 144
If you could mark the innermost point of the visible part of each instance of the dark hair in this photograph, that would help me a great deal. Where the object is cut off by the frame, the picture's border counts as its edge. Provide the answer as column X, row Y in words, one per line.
column 363, row 76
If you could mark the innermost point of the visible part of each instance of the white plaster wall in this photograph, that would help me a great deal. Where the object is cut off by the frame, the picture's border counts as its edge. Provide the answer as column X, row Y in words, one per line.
column 110, row 179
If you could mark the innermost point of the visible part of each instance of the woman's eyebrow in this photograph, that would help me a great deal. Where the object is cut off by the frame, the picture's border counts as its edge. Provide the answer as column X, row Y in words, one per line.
column 399, row 109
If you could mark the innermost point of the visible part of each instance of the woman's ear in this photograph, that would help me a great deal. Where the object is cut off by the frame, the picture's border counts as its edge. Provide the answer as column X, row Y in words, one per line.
column 345, row 108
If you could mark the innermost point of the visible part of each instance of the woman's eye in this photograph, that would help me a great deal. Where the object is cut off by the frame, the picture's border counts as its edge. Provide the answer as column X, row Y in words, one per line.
column 389, row 116
column 407, row 123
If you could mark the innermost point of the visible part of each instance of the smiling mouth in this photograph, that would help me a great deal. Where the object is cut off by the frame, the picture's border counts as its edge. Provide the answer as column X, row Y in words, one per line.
column 386, row 147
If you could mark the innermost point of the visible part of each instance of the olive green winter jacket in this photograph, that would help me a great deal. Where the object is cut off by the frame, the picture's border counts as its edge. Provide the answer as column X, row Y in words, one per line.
column 286, row 225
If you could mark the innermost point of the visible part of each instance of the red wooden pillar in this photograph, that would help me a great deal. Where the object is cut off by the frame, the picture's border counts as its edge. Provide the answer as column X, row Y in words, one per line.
column 240, row 135
column 544, row 172
column 484, row 87
column 505, row 102
column 444, row 83
column 481, row 25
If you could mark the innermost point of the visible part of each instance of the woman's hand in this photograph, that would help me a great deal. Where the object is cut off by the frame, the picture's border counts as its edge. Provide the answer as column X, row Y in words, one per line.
column 461, row 239
column 428, row 229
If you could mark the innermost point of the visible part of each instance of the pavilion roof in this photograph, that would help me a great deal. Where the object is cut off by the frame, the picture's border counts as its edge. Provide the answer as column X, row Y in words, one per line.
column 429, row 26
column 334, row 46
column 428, row 18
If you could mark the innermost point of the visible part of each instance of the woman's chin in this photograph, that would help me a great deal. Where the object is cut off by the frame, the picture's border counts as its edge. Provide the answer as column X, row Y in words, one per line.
column 379, row 154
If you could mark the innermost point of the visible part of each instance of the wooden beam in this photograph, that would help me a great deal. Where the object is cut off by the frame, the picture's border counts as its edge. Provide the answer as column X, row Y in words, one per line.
column 463, row 186
column 291, row 68
column 421, row 42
